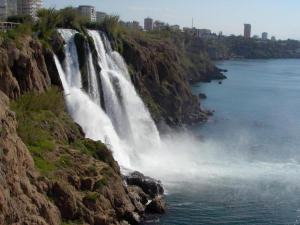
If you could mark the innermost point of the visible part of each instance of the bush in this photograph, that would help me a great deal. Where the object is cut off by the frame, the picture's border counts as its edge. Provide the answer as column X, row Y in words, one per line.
column 66, row 161
column 92, row 196
column 51, row 100
column 48, row 20
column 20, row 19
column 15, row 35
column 101, row 183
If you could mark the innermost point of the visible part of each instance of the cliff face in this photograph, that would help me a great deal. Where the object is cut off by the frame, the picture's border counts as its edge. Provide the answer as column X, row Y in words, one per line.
column 23, row 70
column 49, row 173
column 163, row 80
column 20, row 201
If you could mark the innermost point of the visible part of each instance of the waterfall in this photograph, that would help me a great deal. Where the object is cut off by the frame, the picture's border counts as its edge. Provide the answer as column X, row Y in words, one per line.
column 93, row 89
column 125, row 121
column 83, row 108
column 133, row 123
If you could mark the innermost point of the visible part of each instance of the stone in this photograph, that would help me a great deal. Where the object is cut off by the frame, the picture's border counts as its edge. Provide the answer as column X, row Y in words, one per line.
column 202, row 96
column 149, row 185
column 157, row 205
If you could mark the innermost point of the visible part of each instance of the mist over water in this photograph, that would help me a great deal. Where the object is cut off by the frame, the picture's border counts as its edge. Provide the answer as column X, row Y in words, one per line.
column 245, row 167
column 249, row 160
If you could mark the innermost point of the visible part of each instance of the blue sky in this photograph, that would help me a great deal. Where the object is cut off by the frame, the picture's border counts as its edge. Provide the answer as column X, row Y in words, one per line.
column 280, row 18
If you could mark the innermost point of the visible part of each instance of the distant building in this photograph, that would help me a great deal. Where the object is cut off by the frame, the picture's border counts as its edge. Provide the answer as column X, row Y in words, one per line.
column 158, row 25
column 202, row 32
column 100, row 16
column 247, row 30
column 264, row 36
column 88, row 12
column 148, row 24
column 190, row 31
column 273, row 38
column 256, row 37
column 175, row 28
column 13, row 7
column 135, row 25
column 29, row 7
column 3, row 10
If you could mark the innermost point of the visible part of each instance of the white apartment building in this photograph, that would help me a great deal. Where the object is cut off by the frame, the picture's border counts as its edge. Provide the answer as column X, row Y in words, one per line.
column 100, row 16
column 88, row 11
column 148, row 24
column 29, row 7
column 3, row 10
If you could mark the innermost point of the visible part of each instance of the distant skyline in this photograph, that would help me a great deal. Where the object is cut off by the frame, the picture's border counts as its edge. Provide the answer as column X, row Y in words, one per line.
column 280, row 18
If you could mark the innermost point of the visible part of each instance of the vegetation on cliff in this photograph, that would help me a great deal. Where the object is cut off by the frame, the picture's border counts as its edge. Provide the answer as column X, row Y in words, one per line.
column 239, row 47
column 77, row 175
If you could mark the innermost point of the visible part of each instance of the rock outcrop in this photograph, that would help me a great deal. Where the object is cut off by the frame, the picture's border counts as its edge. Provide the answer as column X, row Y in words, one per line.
column 149, row 185
column 162, row 81
column 20, row 201
column 24, row 69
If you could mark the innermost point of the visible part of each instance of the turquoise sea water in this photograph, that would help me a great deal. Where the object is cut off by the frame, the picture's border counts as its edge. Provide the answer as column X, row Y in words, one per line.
column 248, row 169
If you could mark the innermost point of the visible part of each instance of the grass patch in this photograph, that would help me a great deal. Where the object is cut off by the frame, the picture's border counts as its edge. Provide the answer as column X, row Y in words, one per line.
column 35, row 114
column 101, row 183
column 94, row 149
column 92, row 196
column 66, row 161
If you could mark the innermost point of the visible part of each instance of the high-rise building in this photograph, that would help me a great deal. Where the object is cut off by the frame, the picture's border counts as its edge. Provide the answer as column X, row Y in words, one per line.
column 88, row 12
column 264, row 36
column 273, row 38
column 3, row 9
column 100, row 16
column 247, row 30
column 29, row 7
column 148, row 24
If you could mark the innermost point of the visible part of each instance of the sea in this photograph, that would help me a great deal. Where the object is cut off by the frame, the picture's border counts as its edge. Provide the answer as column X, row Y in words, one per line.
column 245, row 167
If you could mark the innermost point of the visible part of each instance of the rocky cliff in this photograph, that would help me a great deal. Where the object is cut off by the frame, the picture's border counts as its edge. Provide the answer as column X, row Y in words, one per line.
column 49, row 173
column 161, row 71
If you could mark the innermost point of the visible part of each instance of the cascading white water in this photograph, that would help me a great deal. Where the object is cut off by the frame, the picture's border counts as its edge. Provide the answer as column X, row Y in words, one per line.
column 71, row 64
column 93, row 89
column 133, row 122
column 83, row 109
column 125, row 111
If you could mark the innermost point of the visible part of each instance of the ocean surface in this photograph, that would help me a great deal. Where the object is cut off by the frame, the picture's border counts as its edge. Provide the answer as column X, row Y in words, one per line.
column 245, row 168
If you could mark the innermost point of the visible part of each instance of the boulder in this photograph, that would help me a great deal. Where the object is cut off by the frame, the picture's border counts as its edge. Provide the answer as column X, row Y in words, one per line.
column 157, row 205
column 202, row 96
column 149, row 185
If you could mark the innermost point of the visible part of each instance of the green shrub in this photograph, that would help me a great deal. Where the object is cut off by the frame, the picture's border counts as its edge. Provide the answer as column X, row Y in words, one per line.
column 92, row 196
column 15, row 35
column 51, row 100
column 20, row 19
column 101, row 183
column 66, row 161
column 5, row 151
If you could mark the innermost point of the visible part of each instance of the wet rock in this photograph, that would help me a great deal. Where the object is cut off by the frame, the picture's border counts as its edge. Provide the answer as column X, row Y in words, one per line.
column 202, row 96
column 157, row 205
column 149, row 185
column 138, row 198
